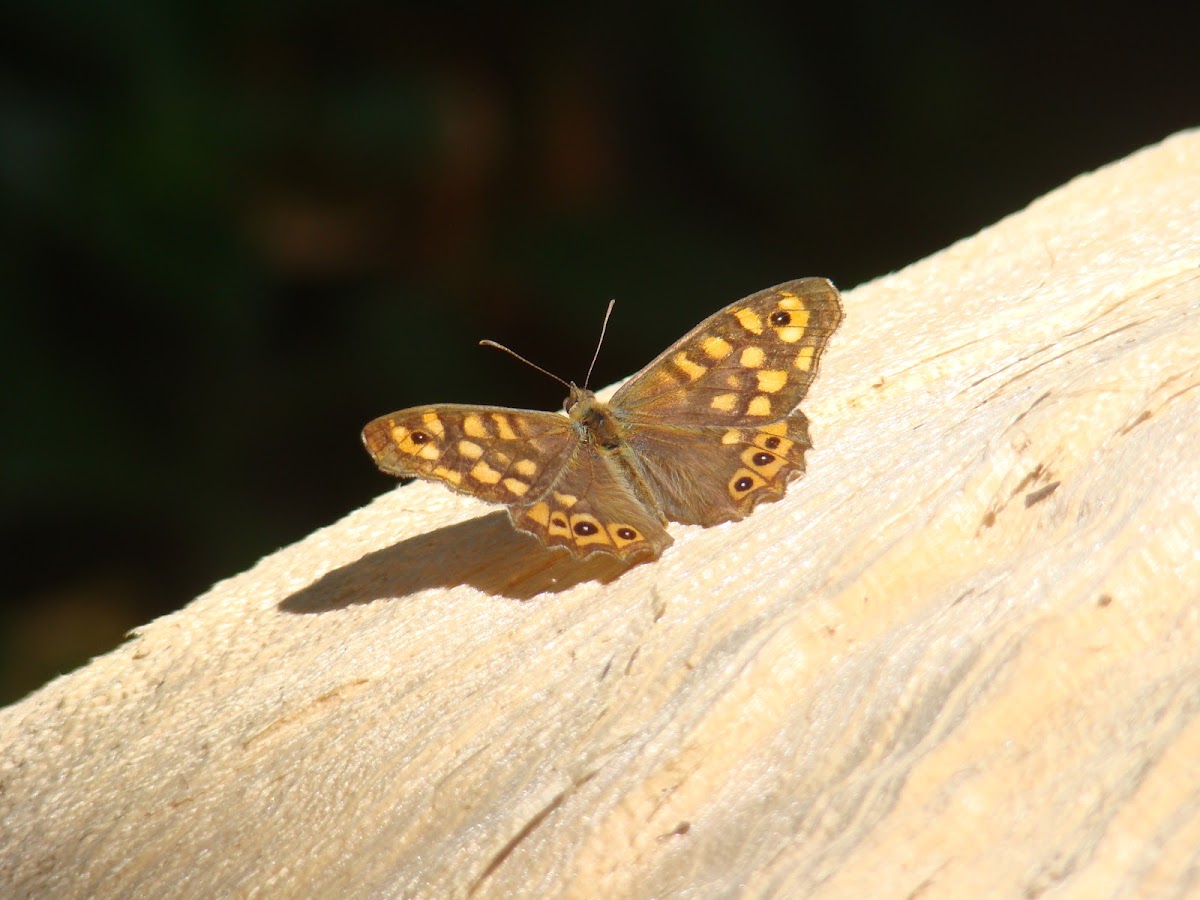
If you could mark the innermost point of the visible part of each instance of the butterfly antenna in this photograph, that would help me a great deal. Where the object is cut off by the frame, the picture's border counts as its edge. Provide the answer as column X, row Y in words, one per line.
column 516, row 355
column 599, row 343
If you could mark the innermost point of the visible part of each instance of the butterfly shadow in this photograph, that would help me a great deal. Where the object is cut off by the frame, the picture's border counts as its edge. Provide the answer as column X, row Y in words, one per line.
column 486, row 553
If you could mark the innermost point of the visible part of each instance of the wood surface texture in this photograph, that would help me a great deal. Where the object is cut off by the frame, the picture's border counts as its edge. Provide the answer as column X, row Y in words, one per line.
column 960, row 658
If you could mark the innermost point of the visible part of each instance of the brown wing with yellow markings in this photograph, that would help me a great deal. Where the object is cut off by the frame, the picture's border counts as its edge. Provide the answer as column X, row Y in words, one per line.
column 496, row 454
column 591, row 508
column 713, row 421
column 557, row 487
column 751, row 363
column 707, row 474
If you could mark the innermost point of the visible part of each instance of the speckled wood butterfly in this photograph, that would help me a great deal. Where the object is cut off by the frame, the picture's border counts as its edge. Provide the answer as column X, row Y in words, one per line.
column 702, row 435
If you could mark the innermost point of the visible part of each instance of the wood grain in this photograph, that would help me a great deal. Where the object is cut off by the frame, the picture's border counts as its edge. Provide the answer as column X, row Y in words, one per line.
column 961, row 657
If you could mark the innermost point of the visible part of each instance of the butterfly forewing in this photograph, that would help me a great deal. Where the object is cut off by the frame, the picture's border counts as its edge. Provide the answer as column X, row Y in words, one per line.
column 496, row 454
column 751, row 362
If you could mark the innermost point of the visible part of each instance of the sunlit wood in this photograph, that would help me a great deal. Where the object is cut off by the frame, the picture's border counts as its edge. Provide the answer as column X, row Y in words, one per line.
column 962, row 656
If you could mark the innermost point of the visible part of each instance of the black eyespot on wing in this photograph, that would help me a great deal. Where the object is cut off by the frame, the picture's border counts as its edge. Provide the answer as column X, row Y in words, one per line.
column 419, row 437
column 559, row 522
column 771, row 442
column 585, row 529
column 627, row 534
column 761, row 459
column 743, row 484
column 779, row 318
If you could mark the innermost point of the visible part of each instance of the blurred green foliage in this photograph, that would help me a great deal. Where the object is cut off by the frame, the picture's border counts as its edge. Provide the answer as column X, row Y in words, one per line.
column 233, row 233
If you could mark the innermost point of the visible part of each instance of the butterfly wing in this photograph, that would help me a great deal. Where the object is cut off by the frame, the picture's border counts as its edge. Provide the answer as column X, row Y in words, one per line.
column 496, row 454
column 713, row 420
column 590, row 508
column 751, row 362
column 704, row 474
column 555, row 486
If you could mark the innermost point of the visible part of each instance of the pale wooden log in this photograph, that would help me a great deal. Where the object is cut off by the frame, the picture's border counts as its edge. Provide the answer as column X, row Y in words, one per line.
column 962, row 655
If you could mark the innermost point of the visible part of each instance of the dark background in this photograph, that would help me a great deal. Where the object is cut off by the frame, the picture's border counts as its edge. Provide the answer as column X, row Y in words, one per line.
column 233, row 233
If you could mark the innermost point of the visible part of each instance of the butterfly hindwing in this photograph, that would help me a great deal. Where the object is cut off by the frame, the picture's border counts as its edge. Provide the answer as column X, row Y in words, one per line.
column 706, row 474
column 751, row 362
column 591, row 508
column 496, row 454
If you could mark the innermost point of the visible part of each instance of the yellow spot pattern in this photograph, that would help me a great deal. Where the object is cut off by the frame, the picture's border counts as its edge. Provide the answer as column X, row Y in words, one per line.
column 485, row 473
column 503, row 429
column 615, row 530
column 433, row 423
column 526, row 467
column 470, row 449
column 752, row 357
column 716, row 348
column 789, row 334
column 759, row 406
column 447, row 475
column 804, row 359
column 555, row 529
column 782, row 447
column 723, row 402
column 756, row 481
column 691, row 369
column 473, row 427
column 792, row 304
column 800, row 318
column 769, row 470
column 517, row 486
column 749, row 320
column 771, row 380
column 600, row 537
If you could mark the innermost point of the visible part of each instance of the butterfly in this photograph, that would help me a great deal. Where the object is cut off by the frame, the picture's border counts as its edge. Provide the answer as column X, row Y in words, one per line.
column 701, row 435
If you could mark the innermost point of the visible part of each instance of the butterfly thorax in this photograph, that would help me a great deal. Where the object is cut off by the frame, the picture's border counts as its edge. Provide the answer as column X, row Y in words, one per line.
column 600, row 427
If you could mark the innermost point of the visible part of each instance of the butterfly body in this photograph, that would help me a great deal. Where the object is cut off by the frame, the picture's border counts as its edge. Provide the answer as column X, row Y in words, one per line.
column 598, row 424
column 701, row 435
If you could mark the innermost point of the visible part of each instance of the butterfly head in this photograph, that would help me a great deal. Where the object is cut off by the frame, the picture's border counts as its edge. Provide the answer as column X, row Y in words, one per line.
column 599, row 426
column 578, row 400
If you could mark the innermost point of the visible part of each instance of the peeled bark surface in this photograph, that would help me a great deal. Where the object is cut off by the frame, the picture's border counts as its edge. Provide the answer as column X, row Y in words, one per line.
column 961, row 657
